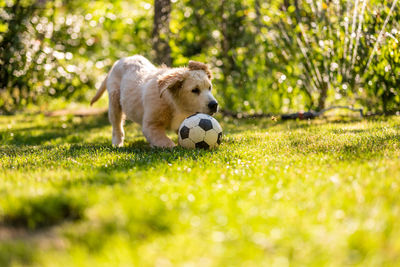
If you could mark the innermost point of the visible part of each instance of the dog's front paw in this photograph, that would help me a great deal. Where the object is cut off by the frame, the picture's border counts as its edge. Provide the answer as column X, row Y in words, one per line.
column 118, row 145
column 164, row 144
column 117, row 141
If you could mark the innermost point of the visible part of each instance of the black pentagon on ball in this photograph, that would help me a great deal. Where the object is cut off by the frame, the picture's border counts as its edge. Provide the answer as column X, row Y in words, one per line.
column 203, row 145
column 219, row 138
column 184, row 132
column 205, row 124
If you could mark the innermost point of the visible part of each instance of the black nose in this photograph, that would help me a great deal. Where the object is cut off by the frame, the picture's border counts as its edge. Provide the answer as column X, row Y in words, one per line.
column 213, row 105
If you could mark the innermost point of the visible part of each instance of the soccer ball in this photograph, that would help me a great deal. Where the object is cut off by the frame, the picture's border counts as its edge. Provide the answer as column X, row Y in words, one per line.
column 200, row 131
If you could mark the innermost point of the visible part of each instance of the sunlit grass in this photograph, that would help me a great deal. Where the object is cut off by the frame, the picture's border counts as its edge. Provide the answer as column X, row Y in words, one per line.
column 283, row 193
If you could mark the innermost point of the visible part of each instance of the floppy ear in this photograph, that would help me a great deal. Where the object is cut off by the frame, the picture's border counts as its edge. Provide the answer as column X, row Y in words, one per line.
column 173, row 80
column 195, row 65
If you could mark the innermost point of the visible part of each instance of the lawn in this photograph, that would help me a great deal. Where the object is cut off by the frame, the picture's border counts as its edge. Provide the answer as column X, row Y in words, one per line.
column 305, row 193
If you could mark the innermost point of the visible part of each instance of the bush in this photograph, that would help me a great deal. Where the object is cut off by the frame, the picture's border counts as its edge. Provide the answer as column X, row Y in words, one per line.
column 55, row 49
column 267, row 57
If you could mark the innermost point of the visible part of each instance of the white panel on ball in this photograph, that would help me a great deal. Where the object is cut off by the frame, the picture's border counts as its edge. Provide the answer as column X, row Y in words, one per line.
column 204, row 116
column 211, row 137
column 216, row 125
column 196, row 134
column 186, row 143
column 192, row 121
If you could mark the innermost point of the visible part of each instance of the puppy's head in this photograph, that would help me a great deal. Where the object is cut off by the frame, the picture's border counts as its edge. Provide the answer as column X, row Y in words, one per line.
column 190, row 88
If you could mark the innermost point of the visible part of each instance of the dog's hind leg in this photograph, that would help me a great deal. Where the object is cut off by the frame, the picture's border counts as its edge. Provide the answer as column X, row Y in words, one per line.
column 116, row 117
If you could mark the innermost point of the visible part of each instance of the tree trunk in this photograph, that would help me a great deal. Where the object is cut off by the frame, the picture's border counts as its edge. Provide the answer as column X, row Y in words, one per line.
column 322, row 97
column 225, row 46
column 161, row 32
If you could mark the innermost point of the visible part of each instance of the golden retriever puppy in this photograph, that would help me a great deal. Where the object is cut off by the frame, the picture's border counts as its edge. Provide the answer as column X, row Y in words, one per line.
column 157, row 98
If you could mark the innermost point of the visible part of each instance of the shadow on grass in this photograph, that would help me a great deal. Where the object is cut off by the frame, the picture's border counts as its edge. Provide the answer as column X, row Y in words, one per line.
column 142, row 154
column 139, row 156
column 27, row 221
column 16, row 253
column 366, row 148
column 304, row 124
column 144, row 217
column 41, row 211
column 240, row 125
column 237, row 126
column 51, row 130
column 31, row 225
column 285, row 127
column 352, row 131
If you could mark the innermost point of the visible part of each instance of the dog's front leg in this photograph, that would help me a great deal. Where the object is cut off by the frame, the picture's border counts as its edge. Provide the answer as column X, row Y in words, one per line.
column 156, row 136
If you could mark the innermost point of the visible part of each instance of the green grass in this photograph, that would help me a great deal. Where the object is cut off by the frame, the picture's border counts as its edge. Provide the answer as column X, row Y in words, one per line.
column 275, row 193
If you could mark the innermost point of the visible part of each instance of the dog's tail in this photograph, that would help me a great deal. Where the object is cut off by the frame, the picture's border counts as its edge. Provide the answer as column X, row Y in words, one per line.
column 100, row 91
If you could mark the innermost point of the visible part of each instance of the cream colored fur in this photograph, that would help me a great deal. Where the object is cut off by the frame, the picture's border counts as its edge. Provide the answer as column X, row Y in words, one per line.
column 157, row 98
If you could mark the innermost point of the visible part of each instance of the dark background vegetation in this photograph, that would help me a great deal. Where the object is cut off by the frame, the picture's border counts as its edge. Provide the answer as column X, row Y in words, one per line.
column 267, row 56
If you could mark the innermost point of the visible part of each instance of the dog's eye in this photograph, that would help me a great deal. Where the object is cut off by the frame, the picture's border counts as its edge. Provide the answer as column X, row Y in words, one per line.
column 196, row 91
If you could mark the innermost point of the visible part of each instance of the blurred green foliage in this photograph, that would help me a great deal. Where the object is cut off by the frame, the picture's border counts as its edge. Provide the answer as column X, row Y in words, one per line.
column 343, row 52
column 62, row 48
column 267, row 56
